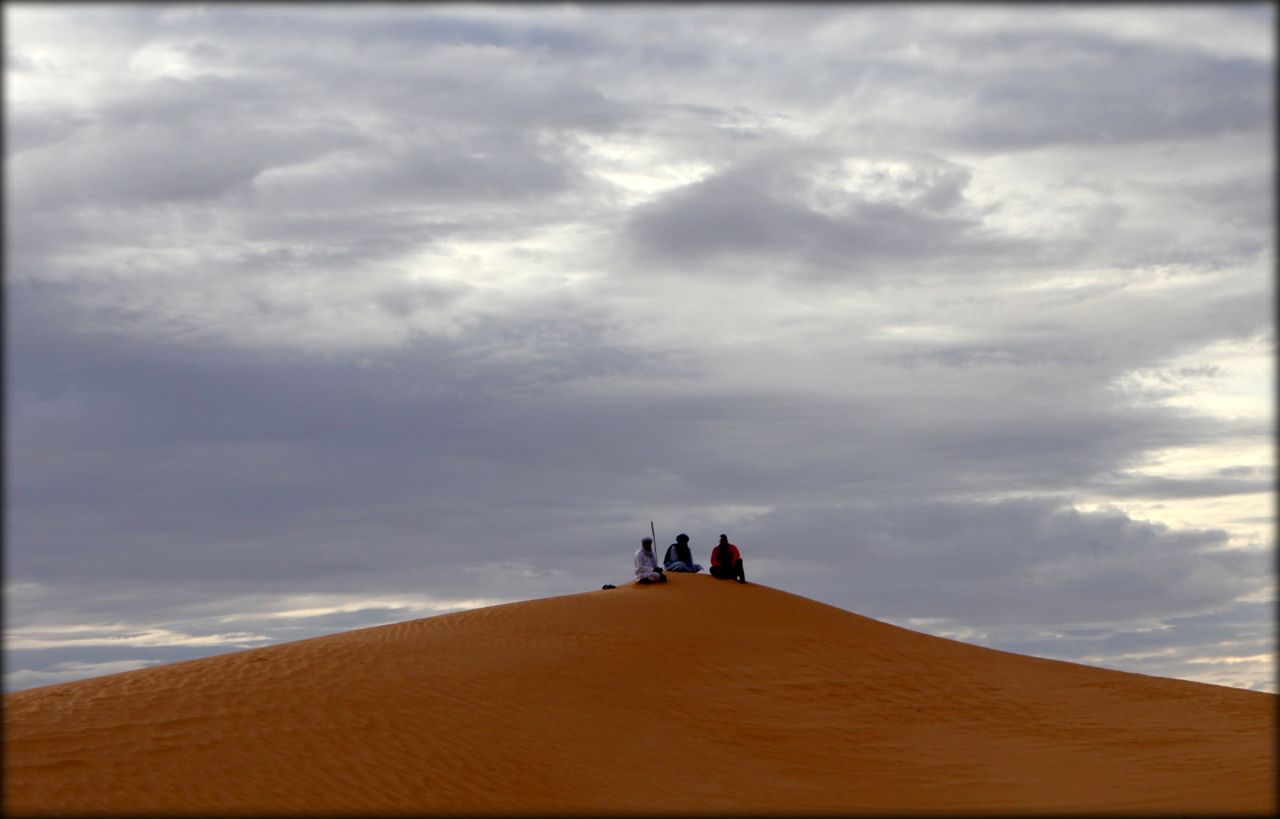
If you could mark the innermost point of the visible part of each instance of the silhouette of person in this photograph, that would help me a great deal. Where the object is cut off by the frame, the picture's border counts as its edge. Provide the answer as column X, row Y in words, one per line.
column 678, row 557
column 726, row 561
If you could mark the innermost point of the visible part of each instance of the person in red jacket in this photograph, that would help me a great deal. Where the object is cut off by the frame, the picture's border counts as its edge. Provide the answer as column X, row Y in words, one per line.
column 726, row 562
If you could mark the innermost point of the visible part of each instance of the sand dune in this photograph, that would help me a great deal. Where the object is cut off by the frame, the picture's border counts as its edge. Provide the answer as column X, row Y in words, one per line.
column 696, row 696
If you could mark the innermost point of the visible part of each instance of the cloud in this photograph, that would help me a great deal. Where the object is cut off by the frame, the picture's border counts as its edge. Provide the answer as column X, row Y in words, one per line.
column 777, row 209
column 20, row 639
column 1021, row 86
column 68, row 671
column 168, row 140
column 978, row 563
column 478, row 167
column 26, row 129
column 1187, row 488
column 1232, row 645
column 260, row 469
column 194, row 626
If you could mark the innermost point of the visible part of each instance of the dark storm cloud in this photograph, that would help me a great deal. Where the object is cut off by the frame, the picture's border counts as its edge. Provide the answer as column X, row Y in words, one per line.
column 1083, row 87
column 433, row 71
column 1090, row 334
column 229, row 450
column 442, row 28
column 1220, row 644
column 1187, row 487
column 232, row 450
column 319, row 188
column 784, row 214
column 27, row 129
column 432, row 170
column 204, row 102
column 875, row 446
column 977, row 563
column 1241, row 202
column 1239, row 214
column 771, row 209
column 161, row 165
column 417, row 27
column 167, row 140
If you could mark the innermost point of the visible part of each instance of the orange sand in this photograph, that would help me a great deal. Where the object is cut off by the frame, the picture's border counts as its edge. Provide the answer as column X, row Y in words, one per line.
column 697, row 696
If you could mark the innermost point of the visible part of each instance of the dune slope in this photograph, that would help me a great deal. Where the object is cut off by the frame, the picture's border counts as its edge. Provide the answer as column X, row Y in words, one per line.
column 696, row 696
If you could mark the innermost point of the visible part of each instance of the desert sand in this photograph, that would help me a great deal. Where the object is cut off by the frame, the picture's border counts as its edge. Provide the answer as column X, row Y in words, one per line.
column 697, row 696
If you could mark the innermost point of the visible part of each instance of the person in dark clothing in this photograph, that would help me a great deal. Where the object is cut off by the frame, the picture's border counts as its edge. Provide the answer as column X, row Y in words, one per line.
column 726, row 561
column 678, row 557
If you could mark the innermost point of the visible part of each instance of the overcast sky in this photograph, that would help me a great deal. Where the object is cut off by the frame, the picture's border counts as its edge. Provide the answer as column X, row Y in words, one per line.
column 958, row 317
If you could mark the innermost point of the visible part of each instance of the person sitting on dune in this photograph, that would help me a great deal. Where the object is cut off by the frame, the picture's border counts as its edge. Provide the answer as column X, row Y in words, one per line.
column 678, row 557
column 726, row 562
column 647, row 570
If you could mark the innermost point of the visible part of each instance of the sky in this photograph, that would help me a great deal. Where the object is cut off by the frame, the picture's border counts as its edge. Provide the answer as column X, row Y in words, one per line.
column 320, row 317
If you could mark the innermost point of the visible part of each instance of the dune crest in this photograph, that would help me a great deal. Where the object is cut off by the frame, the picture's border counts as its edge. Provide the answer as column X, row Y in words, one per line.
column 693, row 696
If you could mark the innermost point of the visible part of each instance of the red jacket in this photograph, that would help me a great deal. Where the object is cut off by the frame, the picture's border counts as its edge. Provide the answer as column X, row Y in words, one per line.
column 717, row 556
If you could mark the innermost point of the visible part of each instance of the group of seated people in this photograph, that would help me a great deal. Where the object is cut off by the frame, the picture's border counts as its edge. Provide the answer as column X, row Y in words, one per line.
column 726, row 561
